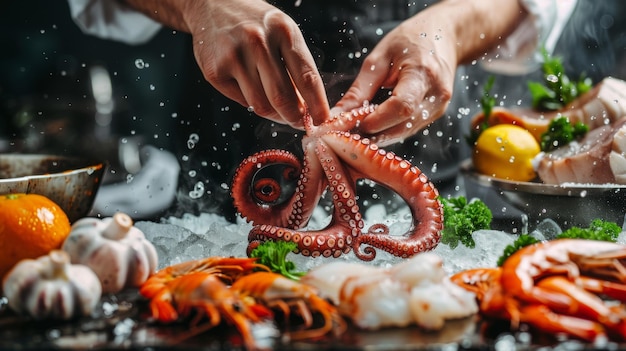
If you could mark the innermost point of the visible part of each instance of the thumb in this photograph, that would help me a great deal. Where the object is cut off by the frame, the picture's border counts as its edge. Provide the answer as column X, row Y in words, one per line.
column 365, row 86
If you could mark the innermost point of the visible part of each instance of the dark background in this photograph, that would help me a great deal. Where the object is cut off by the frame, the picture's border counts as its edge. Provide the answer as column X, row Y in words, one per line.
column 46, row 103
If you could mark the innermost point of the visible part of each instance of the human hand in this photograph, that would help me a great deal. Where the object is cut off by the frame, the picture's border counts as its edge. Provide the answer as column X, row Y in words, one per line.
column 256, row 55
column 417, row 60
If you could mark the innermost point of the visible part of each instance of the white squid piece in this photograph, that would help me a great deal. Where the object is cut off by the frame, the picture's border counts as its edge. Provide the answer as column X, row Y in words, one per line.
column 416, row 291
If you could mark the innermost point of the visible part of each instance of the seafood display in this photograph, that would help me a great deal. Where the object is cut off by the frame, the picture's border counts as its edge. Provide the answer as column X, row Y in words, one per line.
column 233, row 290
column 415, row 291
column 570, row 287
column 601, row 106
column 335, row 159
column 598, row 158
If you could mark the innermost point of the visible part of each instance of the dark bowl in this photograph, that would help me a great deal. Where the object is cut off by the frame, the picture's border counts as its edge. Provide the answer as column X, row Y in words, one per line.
column 71, row 182
column 571, row 205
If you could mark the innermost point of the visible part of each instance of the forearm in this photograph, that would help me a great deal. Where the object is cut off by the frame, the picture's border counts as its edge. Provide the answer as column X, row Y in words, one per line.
column 481, row 25
column 170, row 13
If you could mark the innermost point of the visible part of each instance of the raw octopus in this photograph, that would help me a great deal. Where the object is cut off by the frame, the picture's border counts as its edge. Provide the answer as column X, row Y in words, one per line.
column 415, row 291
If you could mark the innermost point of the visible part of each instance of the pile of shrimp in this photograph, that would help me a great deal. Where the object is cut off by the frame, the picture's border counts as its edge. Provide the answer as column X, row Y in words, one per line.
column 241, row 293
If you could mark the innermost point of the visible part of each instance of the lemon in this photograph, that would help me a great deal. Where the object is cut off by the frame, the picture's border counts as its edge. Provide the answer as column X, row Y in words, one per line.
column 506, row 151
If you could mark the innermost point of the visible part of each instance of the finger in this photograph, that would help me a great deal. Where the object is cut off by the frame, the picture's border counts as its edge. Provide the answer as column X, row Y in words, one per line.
column 404, row 106
column 306, row 78
column 367, row 83
column 280, row 91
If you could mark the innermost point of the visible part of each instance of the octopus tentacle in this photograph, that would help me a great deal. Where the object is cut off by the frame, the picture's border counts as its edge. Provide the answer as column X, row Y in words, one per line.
column 338, row 237
column 256, row 206
column 344, row 121
column 406, row 180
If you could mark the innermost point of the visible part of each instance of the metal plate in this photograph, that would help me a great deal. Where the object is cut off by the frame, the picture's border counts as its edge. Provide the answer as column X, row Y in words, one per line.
column 70, row 182
column 568, row 205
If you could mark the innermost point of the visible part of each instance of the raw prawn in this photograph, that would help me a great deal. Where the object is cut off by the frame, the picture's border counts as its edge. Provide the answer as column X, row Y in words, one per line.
column 558, row 286
column 414, row 291
column 288, row 296
column 198, row 289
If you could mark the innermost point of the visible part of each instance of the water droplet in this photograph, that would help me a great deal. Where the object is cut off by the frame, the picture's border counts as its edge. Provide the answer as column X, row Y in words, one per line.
column 423, row 35
column 409, row 125
column 425, row 114
column 379, row 31
column 198, row 191
column 193, row 140
column 152, row 87
column 192, row 173
column 552, row 78
column 250, row 109
column 139, row 63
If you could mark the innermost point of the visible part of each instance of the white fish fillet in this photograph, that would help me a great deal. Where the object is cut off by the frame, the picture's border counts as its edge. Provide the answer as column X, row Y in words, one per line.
column 597, row 159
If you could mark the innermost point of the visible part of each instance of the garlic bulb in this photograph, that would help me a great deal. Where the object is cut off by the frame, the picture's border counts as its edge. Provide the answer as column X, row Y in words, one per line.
column 114, row 249
column 52, row 287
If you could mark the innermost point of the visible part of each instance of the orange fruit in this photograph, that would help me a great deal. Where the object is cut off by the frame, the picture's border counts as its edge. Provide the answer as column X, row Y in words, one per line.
column 506, row 151
column 31, row 226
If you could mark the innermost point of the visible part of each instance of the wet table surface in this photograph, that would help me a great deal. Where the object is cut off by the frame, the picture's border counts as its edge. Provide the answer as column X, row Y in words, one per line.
column 121, row 323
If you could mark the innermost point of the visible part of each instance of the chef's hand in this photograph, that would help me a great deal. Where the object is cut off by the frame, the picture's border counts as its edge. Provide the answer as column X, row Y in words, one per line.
column 418, row 60
column 419, row 69
column 251, row 52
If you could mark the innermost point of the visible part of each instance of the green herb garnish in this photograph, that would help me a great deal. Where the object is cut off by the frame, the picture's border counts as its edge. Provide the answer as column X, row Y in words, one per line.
column 487, row 103
column 273, row 254
column 521, row 241
column 597, row 230
column 561, row 132
column 462, row 218
column 556, row 90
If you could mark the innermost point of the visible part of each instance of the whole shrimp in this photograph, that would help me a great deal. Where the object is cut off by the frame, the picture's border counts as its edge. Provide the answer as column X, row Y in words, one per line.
column 558, row 286
column 198, row 288
column 288, row 296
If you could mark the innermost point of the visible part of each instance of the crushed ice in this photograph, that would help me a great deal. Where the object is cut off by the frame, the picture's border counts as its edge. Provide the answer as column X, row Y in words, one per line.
column 179, row 239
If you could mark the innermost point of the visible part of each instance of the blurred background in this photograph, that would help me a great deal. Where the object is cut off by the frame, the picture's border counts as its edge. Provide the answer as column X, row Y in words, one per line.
column 62, row 91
